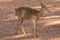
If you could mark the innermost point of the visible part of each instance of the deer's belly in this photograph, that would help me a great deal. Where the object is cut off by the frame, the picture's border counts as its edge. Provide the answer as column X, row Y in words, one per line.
column 27, row 17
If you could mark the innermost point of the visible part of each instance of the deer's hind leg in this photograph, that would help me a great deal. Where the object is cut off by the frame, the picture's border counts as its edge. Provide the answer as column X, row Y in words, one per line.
column 23, row 28
column 20, row 21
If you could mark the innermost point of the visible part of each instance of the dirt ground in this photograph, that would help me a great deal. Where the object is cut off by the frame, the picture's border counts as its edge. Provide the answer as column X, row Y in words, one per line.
column 48, row 26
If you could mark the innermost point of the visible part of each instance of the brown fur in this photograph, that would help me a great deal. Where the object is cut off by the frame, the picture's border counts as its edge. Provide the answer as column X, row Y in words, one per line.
column 27, row 13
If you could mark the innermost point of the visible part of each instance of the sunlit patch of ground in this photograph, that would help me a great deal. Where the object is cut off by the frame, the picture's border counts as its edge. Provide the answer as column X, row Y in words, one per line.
column 5, row 0
column 55, row 38
column 17, row 36
column 50, row 17
column 52, row 23
column 57, row 0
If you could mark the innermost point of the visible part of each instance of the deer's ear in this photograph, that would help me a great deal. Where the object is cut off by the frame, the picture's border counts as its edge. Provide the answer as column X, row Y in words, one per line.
column 41, row 3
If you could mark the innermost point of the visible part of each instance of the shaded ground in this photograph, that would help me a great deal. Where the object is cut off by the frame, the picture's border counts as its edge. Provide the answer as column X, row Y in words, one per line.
column 48, row 26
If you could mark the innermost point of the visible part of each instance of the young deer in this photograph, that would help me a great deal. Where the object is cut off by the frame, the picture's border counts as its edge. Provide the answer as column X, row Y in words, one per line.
column 29, row 14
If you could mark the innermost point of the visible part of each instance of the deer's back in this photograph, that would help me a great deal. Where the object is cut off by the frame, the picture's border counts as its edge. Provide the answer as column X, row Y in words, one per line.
column 26, row 13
